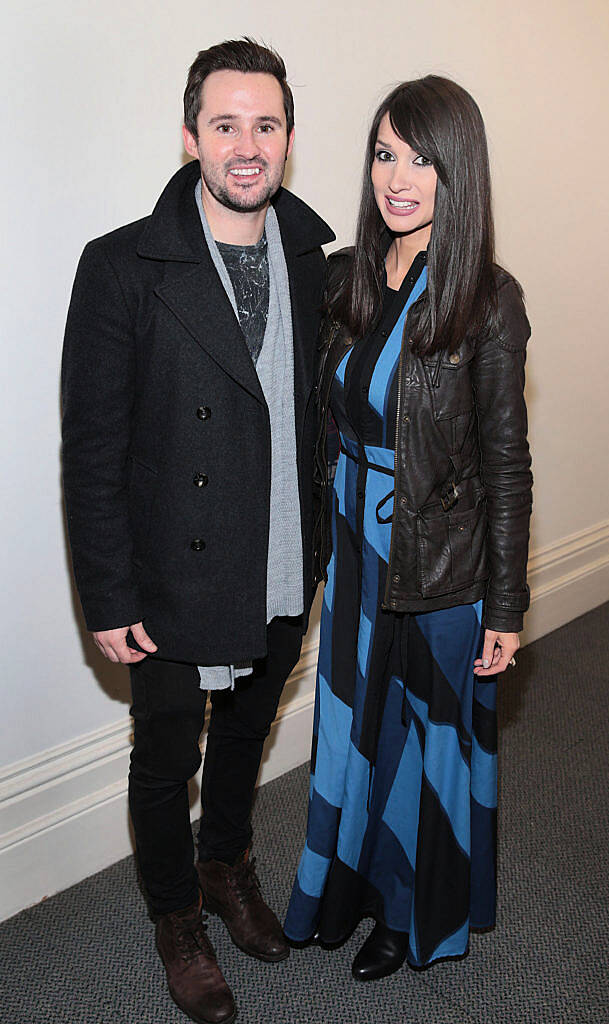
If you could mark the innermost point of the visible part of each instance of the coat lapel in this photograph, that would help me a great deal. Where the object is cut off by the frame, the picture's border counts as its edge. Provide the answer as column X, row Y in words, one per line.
column 197, row 298
column 194, row 293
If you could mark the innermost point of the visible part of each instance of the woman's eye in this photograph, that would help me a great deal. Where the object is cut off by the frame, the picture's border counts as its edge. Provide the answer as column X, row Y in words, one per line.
column 422, row 161
column 384, row 155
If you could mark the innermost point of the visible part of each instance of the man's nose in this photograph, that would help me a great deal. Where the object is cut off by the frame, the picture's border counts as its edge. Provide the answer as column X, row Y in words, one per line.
column 247, row 145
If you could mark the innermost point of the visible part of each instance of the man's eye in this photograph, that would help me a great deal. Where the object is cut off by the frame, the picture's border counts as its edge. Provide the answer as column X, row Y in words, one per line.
column 224, row 129
column 265, row 129
column 384, row 155
column 422, row 161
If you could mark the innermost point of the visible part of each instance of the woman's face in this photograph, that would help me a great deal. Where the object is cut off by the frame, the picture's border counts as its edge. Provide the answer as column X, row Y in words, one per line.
column 404, row 184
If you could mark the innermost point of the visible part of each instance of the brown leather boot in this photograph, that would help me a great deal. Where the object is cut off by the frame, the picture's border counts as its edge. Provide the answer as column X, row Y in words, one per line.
column 194, row 978
column 233, row 892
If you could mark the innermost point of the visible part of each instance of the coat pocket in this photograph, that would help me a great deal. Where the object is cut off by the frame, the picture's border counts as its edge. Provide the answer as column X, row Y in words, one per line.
column 451, row 550
column 450, row 383
column 143, row 483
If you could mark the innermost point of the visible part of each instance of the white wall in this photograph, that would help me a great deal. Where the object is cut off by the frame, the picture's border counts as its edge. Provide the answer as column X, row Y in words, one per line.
column 91, row 132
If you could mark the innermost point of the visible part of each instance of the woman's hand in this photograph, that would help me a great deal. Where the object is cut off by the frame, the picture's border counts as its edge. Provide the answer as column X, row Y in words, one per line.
column 498, row 650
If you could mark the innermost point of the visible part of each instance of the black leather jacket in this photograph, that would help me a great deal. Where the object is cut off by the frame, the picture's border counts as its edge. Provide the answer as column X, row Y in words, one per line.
column 462, row 501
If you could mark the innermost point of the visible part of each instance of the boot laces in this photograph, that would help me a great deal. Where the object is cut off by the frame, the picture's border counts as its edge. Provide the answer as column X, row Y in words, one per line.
column 192, row 940
column 245, row 881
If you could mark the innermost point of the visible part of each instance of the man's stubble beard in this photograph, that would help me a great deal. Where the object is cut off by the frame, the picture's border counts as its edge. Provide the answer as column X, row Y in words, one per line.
column 219, row 191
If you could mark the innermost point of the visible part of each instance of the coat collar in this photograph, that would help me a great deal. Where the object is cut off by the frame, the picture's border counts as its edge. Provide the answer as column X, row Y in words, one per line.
column 173, row 231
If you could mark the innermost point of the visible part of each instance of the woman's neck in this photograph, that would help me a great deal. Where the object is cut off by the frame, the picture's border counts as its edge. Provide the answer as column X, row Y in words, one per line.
column 401, row 254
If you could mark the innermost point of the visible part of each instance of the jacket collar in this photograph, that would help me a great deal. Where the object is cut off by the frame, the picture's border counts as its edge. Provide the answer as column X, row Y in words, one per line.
column 174, row 232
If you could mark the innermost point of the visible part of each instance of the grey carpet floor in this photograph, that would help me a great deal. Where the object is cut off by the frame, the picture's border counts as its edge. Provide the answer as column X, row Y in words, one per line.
column 87, row 955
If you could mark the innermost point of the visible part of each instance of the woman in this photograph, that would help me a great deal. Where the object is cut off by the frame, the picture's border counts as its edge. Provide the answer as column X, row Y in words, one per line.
column 427, row 521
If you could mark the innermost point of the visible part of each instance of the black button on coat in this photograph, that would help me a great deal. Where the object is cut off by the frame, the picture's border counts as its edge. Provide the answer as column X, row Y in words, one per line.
column 150, row 338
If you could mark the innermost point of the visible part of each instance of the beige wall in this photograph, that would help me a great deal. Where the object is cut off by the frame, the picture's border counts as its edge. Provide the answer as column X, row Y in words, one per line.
column 91, row 132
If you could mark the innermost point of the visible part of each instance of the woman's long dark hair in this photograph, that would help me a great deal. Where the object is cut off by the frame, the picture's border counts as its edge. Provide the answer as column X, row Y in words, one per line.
column 441, row 121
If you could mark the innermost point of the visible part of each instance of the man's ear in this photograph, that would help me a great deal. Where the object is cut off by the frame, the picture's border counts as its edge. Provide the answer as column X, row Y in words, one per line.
column 190, row 143
column 290, row 144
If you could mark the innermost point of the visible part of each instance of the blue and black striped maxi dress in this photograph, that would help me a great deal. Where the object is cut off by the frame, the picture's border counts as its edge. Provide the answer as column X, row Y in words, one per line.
column 402, row 809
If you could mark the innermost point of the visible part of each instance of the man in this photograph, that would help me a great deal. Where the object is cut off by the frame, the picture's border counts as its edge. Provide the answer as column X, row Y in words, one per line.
column 188, row 444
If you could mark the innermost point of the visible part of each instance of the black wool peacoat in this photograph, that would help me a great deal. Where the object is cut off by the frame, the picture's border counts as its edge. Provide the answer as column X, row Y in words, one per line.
column 166, row 435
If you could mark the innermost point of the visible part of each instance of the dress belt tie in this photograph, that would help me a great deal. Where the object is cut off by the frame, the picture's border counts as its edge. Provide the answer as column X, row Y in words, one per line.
column 363, row 461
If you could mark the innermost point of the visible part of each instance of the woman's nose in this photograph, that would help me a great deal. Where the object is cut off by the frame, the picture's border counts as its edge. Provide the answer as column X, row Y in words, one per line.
column 401, row 178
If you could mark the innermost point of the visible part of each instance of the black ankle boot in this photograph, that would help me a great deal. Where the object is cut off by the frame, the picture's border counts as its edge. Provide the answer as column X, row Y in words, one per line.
column 383, row 952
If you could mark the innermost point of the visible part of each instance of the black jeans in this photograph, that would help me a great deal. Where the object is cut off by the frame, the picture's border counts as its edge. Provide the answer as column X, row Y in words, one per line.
column 168, row 711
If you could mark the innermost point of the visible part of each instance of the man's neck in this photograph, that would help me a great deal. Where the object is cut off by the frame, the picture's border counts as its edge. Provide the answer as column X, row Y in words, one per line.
column 232, row 226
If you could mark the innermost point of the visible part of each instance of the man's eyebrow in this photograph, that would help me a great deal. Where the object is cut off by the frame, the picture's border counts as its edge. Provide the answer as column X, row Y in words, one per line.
column 272, row 119
column 266, row 118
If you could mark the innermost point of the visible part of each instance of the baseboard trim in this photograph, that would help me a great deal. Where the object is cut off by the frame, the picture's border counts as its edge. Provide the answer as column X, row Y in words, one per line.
column 71, row 801
column 567, row 579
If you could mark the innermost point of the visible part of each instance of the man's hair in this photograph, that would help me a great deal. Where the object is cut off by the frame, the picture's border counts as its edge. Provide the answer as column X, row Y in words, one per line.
column 244, row 55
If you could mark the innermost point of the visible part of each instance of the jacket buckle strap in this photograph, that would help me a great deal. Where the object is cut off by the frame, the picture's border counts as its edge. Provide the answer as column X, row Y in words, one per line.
column 450, row 497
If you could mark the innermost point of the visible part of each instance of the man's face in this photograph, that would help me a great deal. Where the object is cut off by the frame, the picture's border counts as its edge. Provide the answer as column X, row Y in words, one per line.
column 243, row 143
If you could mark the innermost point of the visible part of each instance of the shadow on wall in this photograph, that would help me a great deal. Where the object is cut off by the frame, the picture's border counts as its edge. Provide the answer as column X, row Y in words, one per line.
column 531, row 393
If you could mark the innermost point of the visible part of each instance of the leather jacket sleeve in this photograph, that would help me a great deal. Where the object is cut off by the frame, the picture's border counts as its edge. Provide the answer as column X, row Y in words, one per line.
column 498, row 377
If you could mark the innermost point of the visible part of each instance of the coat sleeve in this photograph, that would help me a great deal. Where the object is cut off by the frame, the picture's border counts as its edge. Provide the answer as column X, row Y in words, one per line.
column 98, row 390
column 506, row 461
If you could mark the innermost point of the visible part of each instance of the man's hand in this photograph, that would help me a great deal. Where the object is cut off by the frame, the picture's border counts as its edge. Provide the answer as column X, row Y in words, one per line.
column 113, row 643
column 499, row 649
